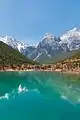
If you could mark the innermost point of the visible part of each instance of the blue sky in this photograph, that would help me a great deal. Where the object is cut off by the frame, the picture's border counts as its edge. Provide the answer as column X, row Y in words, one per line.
column 29, row 20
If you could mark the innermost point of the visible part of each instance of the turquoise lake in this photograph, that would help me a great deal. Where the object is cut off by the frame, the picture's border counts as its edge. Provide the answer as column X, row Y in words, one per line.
column 39, row 96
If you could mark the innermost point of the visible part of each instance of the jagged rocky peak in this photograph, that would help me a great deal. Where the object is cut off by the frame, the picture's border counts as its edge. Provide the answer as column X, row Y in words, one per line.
column 8, row 39
column 71, row 39
column 75, row 32
column 13, row 42
column 48, row 36
column 75, row 29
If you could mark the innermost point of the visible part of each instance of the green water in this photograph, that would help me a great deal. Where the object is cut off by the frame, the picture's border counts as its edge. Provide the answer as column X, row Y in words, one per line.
column 39, row 96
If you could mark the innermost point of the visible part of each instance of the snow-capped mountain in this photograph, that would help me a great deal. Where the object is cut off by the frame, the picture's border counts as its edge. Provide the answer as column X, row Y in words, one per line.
column 25, row 49
column 48, row 47
column 71, row 39
column 13, row 42
column 10, row 41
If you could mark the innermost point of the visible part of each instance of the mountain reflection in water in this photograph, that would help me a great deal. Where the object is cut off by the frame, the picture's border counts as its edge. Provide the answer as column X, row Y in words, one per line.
column 45, row 83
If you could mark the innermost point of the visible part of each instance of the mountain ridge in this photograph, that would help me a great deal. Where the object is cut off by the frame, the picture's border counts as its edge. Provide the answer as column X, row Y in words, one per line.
column 49, row 45
column 10, row 56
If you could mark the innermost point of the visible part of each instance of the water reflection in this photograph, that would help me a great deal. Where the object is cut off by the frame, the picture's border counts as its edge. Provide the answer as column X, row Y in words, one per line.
column 47, row 84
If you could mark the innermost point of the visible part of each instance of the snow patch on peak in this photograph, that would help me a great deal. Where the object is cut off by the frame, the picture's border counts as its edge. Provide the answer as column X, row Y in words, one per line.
column 13, row 42
column 75, row 29
column 48, row 36
column 71, row 39
column 75, row 32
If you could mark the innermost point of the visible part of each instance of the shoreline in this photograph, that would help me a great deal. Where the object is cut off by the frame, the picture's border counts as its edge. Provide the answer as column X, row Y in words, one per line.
column 61, row 68
column 46, row 70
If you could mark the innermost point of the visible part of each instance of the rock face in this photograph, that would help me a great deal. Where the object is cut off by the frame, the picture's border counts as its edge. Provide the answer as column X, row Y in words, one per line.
column 48, row 47
column 14, row 43
column 71, row 39
column 12, row 57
